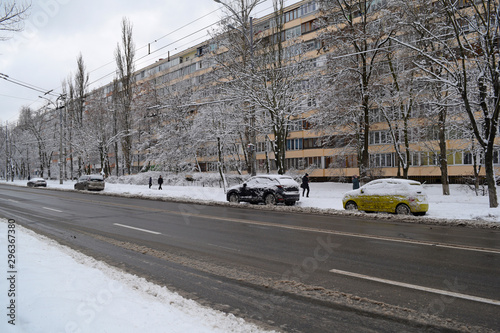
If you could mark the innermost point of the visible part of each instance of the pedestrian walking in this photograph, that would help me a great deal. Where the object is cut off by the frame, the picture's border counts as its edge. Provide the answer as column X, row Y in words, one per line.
column 355, row 182
column 305, row 184
column 150, row 182
column 160, row 181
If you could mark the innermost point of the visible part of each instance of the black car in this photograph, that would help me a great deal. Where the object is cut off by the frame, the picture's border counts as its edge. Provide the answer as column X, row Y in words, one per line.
column 90, row 182
column 267, row 189
column 37, row 182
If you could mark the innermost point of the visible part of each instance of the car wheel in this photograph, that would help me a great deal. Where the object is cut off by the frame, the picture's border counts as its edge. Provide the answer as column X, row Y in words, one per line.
column 234, row 198
column 403, row 209
column 351, row 205
column 270, row 199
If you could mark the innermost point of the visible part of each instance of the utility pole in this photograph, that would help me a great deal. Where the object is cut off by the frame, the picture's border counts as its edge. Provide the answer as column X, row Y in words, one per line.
column 6, row 152
column 60, row 139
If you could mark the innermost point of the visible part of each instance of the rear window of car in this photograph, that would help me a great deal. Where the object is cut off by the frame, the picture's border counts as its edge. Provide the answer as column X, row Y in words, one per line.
column 288, row 181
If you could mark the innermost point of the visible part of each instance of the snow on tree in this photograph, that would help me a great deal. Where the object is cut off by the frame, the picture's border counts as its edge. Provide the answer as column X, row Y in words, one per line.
column 355, row 33
column 12, row 16
column 469, row 63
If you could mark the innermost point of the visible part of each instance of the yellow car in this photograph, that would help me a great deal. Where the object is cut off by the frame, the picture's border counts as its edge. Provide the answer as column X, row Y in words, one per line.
column 399, row 196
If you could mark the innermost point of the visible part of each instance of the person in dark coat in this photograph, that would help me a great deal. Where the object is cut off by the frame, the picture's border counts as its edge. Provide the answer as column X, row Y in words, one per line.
column 305, row 185
column 160, row 181
column 150, row 182
column 355, row 182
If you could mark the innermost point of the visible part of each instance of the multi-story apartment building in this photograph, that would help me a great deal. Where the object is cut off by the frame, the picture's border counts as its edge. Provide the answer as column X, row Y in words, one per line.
column 322, row 154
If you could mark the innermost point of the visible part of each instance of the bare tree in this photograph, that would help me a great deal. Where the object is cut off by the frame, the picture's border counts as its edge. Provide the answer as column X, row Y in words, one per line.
column 173, row 141
column 236, row 65
column 12, row 16
column 37, row 124
column 78, row 93
column 357, row 37
column 264, row 77
column 125, row 56
column 469, row 63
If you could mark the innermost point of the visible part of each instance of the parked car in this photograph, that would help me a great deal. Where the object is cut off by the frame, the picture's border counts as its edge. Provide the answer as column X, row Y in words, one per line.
column 399, row 196
column 90, row 182
column 267, row 189
column 37, row 182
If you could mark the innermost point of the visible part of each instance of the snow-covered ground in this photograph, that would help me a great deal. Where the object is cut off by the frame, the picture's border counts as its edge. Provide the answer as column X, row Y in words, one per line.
column 60, row 290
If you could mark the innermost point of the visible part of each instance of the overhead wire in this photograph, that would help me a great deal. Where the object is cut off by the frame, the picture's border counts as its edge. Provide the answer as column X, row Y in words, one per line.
column 50, row 92
column 26, row 85
column 179, row 39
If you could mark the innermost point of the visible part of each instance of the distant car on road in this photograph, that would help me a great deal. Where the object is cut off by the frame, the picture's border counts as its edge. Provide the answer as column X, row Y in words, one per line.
column 267, row 189
column 90, row 183
column 37, row 182
column 400, row 196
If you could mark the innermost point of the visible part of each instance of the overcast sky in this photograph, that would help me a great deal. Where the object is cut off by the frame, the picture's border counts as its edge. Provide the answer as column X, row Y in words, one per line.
column 57, row 31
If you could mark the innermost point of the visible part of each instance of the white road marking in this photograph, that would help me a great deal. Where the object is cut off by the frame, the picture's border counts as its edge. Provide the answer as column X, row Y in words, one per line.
column 224, row 247
column 416, row 287
column 11, row 200
column 139, row 229
column 52, row 209
column 339, row 233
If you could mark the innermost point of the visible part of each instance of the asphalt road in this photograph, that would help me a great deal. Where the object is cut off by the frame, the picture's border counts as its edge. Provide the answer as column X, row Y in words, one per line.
column 284, row 270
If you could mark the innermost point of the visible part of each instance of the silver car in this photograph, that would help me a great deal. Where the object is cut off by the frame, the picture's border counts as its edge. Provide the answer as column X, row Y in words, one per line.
column 90, row 183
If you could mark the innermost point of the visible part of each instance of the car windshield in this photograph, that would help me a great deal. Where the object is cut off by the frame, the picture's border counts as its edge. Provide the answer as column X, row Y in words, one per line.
column 287, row 181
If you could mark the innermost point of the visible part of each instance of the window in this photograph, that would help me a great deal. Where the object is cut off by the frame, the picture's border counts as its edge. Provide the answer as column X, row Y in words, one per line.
column 308, row 8
column 311, row 45
column 312, row 143
column 293, row 32
column 295, row 125
column 468, row 158
column 295, row 163
column 313, row 162
column 382, row 160
column 309, row 26
column 379, row 137
column 292, row 15
column 294, row 144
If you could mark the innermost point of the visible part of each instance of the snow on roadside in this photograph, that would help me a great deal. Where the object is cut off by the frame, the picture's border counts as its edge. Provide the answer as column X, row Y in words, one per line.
column 461, row 205
column 60, row 290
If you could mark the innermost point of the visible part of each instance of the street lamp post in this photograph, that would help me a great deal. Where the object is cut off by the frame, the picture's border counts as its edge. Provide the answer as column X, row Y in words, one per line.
column 252, row 147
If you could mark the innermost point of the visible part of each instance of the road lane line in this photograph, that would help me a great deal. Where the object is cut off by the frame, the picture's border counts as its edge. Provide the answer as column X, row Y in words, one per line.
column 416, row 287
column 338, row 233
column 11, row 200
column 302, row 228
column 139, row 229
column 224, row 247
column 52, row 209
